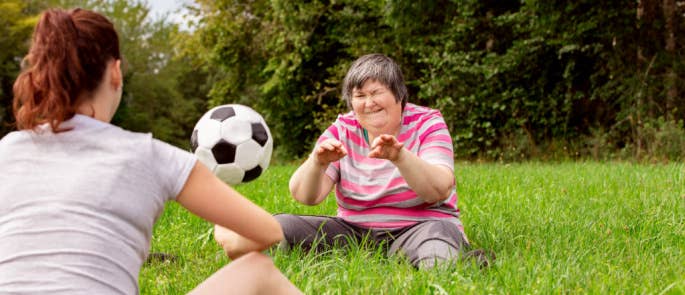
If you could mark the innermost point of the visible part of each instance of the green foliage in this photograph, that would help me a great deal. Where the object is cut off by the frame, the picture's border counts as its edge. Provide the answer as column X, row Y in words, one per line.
column 514, row 79
column 159, row 87
column 663, row 141
column 506, row 75
column 163, row 93
column 518, row 71
column 282, row 58
column 16, row 24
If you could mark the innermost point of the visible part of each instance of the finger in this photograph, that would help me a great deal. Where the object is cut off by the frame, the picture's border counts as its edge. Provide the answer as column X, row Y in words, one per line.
column 329, row 150
column 342, row 150
column 331, row 143
column 336, row 143
column 376, row 152
column 386, row 137
column 320, row 151
column 328, row 146
column 376, row 142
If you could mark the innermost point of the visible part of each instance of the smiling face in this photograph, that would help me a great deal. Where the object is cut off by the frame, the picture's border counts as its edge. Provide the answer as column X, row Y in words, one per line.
column 376, row 108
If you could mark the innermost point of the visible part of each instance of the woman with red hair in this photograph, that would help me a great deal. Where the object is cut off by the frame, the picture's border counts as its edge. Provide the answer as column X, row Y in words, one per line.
column 80, row 196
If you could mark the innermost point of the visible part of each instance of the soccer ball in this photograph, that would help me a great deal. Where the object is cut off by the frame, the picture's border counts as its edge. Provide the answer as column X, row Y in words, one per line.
column 234, row 142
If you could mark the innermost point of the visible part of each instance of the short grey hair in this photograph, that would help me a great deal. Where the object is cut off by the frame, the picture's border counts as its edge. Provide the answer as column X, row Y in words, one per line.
column 377, row 67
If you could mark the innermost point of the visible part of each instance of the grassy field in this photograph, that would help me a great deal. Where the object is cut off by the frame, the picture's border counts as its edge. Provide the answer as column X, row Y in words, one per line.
column 611, row 228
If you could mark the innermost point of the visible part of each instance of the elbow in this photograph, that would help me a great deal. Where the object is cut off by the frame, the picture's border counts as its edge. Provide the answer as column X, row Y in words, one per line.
column 443, row 190
column 234, row 253
column 235, row 245
column 304, row 198
column 438, row 195
column 272, row 236
column 311, row 203
column 435, row 199
column 297, row 194
column 445, row 193
column 308, row 201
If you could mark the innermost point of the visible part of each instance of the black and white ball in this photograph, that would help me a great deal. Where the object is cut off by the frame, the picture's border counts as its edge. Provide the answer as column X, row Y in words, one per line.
column 234, row 142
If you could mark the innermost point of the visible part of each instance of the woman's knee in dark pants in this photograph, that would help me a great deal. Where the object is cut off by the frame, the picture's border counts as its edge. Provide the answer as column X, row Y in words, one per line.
column 430, row 244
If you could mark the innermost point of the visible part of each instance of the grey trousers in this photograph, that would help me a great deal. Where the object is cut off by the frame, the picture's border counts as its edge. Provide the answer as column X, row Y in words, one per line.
column 425, row 244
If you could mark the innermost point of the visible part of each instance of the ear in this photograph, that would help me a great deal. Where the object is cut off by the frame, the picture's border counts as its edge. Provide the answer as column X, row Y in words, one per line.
column 117, row 78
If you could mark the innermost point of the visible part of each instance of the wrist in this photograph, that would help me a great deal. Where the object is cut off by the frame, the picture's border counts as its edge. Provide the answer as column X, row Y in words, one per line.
column 401, row 155
column 315, row 162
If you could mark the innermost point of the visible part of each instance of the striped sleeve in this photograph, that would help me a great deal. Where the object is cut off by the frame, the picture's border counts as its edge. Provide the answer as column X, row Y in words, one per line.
column 435, row 141
column 333, row 170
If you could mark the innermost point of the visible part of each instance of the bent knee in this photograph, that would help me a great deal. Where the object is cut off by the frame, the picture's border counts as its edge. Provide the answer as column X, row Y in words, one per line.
column 247, row 270
column 256, row 258
column 256, row 261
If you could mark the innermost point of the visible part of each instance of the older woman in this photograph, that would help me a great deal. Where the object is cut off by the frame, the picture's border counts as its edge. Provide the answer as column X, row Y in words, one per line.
column 391, row 163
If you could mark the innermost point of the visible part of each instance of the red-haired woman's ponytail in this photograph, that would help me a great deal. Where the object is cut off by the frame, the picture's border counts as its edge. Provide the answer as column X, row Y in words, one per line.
column 67, row 59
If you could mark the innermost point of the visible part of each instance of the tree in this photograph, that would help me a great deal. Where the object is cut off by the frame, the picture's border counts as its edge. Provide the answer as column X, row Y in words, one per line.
column 286, row 59
column 16, row 24
column 157, row 82
column 512, row 78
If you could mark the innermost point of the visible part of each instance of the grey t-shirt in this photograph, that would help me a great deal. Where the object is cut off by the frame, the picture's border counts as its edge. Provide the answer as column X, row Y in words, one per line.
column 77, row 208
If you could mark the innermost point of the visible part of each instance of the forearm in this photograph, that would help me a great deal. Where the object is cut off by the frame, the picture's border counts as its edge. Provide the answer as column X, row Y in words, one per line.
column 432, row 183
column 236, row 245
column 305, row 184
column 244, row 246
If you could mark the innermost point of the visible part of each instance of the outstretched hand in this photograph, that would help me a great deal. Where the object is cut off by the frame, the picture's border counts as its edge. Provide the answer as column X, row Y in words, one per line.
column 386, row 147
column 329, row 150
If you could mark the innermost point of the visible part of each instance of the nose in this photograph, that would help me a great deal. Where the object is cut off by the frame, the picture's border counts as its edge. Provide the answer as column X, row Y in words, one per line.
column 369, row 102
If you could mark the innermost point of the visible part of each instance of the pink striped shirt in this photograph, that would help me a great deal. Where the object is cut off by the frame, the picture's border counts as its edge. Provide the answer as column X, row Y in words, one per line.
column 371, row 192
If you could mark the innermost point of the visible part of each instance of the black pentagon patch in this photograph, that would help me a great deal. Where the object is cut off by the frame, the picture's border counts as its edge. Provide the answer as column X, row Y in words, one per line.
column 259, row 133
column 253, row 173
column 222, row 113
column 224, row 152
column 193, row 141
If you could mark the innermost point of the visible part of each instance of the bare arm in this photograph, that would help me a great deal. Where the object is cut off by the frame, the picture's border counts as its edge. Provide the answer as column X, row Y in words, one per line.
column 433, row 183
column 208, row 197
column 309, row 185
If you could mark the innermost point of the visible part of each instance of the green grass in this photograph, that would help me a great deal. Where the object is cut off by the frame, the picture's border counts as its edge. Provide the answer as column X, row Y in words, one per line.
column 583, row 227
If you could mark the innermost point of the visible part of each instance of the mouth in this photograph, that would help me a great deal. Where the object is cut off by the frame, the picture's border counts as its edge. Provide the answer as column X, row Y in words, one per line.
column 373, row 112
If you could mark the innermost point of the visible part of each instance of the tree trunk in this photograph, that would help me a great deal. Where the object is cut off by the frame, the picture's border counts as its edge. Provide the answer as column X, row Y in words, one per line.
column 669, row 10
column 648, row 39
